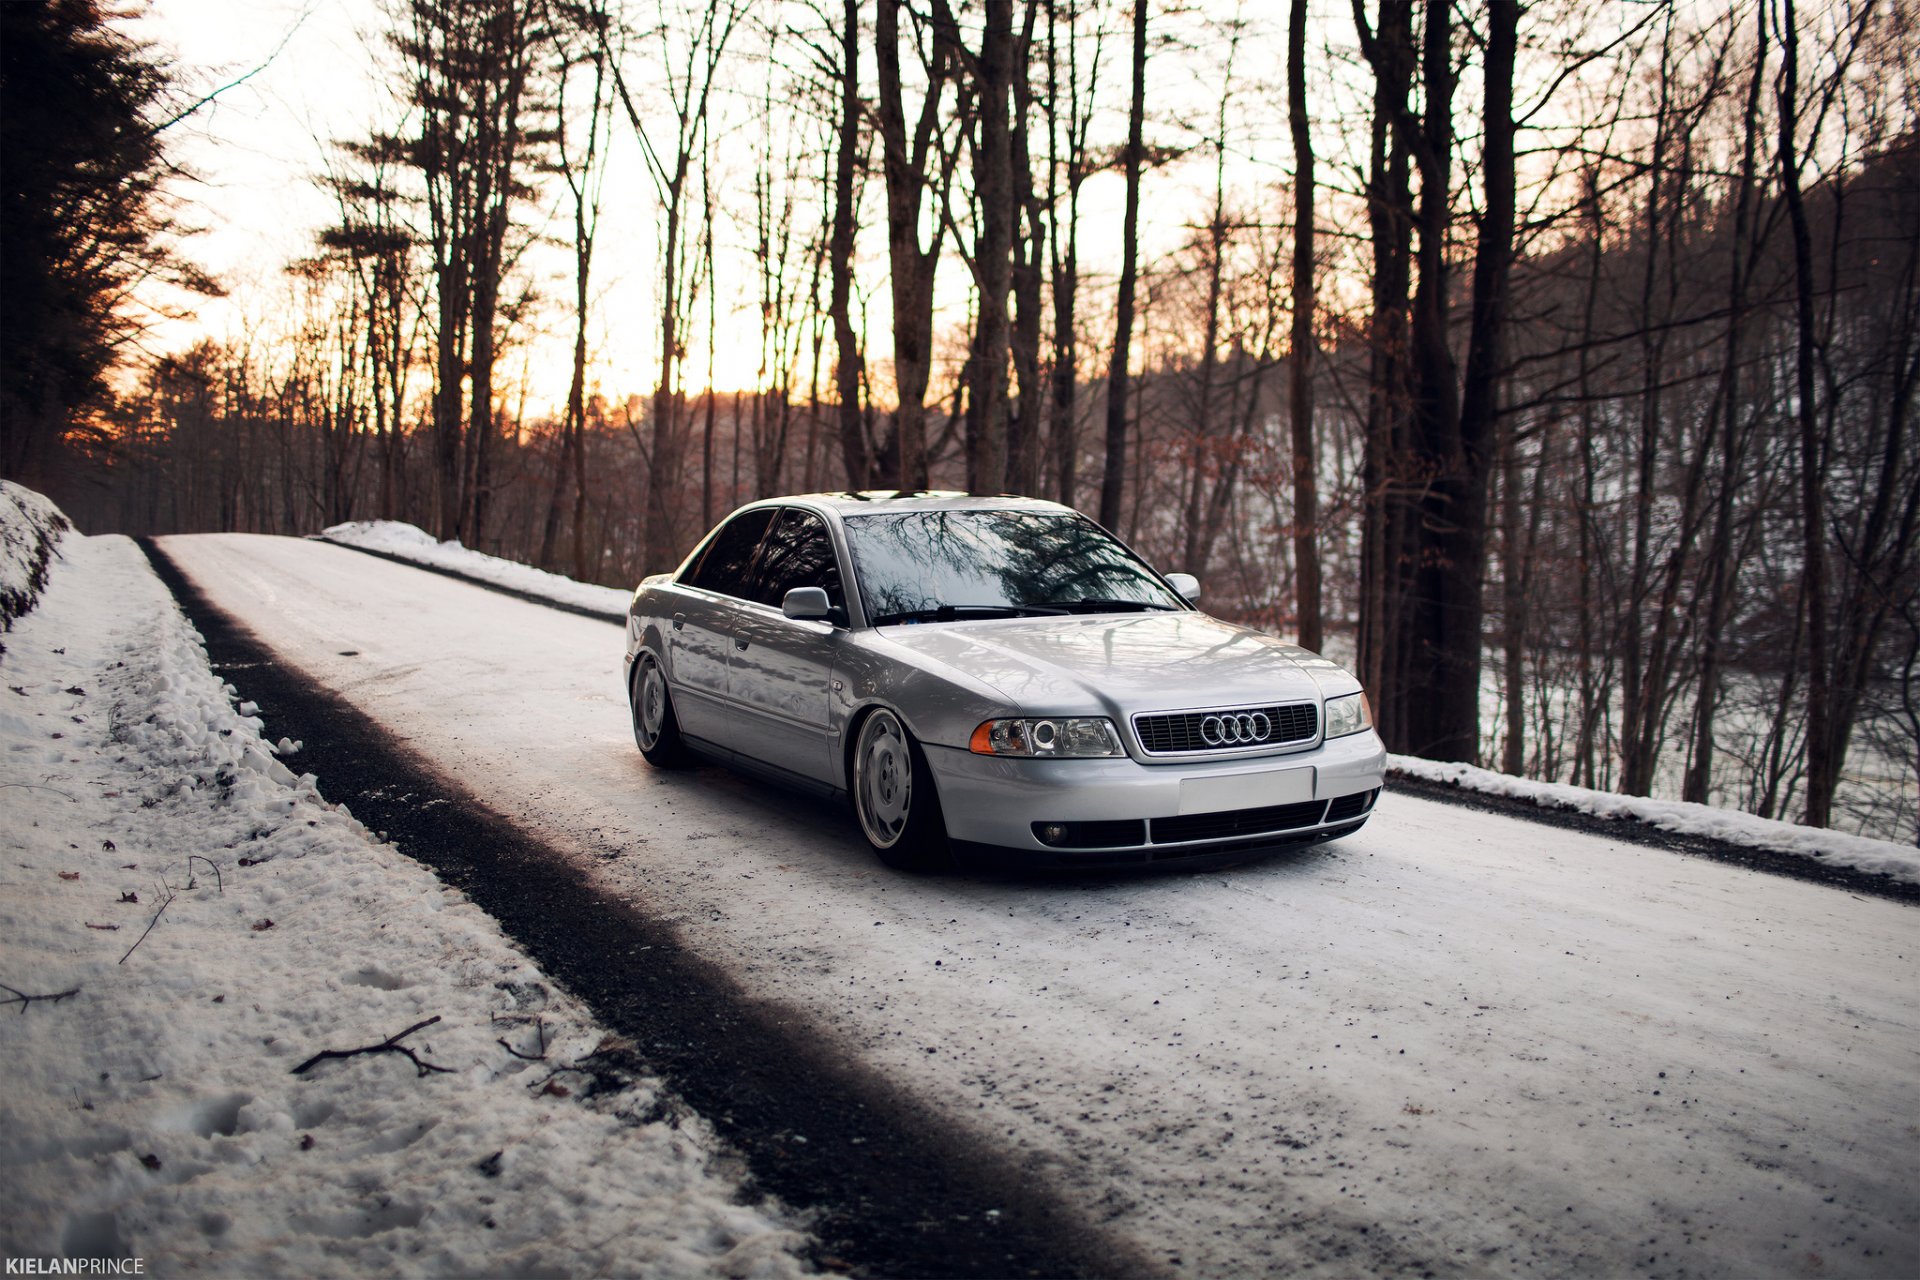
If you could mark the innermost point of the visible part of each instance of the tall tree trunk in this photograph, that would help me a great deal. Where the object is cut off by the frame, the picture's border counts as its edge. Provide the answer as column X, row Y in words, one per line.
column 1697, row 786
column 1200, row 433
column 1063, row 429
column 1441, row 714
column 1306, row 519
column 1113, row 483
column 1387, row 555
column 663, row 466
column 848, row 370
column 498, row 147
column 912, row 269
column 707, row 512
column 1462, row 540
column 451, row 291
column 480, row 424
column 1592, row 698
column 1029, row 255
column 993, row 253
column 1513, row 610
column 1822, row 756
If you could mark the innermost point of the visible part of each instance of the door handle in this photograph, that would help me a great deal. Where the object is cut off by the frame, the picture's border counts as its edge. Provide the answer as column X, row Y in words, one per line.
column 679, row 621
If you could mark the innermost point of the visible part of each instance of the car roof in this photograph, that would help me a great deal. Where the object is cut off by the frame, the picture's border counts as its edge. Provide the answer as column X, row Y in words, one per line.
column 888, row 501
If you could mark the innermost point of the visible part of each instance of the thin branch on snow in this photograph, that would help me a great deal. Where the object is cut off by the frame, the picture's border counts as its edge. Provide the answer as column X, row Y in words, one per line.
column 22, row 999
column 539, row 1027
column 390, row 1045
column 164, row 904
column 219, row 882
column 35, row 786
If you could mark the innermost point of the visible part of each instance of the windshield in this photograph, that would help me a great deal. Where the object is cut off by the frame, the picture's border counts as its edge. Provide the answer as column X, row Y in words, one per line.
column 936, row 566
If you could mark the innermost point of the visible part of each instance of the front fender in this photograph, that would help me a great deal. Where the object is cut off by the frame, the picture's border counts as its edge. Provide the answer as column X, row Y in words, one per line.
column 940, row 708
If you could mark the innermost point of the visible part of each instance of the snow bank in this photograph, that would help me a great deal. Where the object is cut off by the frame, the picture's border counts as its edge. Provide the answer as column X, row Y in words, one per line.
column 1835, row 848
column 411, row 543
column 154, row 1110
column 30, row 528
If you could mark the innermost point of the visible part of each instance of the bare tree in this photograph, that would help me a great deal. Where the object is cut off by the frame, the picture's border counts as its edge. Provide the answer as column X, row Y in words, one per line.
column 1306, row 532
column 908, row 161
column 467, row 68
column 692, row 42
column 581, row 31
column 1068, row 163
column 1113, row 483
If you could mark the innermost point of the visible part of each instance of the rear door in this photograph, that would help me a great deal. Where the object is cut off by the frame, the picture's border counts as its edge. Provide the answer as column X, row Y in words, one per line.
column 709, row 618
column 779, row 676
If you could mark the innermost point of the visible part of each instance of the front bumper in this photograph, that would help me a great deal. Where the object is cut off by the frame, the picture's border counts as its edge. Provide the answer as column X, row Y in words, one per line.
column 1119, row 811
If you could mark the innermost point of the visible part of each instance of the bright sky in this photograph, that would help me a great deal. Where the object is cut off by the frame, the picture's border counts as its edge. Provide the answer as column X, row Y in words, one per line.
column 259, row 146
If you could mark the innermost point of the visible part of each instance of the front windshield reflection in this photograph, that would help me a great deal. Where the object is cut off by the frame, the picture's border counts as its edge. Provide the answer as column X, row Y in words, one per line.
column 926, row 565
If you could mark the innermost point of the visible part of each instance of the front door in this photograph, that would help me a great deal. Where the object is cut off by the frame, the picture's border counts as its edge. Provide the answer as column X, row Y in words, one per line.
column 780, row 674
column 709, row 619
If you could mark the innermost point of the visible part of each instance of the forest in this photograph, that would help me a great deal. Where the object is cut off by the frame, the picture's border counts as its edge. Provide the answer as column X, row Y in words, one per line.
column 1556, row 366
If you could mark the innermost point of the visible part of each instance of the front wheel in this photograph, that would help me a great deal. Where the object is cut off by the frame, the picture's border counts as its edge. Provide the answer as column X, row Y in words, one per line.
column 893, row 796
column 656, row 730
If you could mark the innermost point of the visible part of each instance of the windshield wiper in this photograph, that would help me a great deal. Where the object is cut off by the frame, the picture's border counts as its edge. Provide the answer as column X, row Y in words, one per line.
column 1103, row 604
column 955, row 612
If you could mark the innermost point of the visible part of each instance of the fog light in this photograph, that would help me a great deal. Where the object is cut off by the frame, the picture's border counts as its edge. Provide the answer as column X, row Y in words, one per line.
column 1052, row 832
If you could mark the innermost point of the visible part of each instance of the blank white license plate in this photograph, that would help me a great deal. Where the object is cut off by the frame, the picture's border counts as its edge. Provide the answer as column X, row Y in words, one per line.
column 1246, row 790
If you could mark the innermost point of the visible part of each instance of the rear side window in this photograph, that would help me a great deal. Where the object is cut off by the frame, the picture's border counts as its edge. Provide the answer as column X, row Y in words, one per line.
column 724, row 565
column 798, row 553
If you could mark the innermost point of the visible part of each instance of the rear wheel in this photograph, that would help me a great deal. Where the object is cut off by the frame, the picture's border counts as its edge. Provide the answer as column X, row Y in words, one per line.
column 893, row 796
column 656, row 730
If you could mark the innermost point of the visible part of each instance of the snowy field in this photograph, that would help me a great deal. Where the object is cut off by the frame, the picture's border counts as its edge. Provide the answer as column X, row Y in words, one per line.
column 151, row 1105
column 1455, row 1042
column 1833, row 848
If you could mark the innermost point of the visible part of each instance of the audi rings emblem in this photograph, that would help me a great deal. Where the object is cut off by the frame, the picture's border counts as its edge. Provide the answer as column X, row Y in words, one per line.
column 1238, row 729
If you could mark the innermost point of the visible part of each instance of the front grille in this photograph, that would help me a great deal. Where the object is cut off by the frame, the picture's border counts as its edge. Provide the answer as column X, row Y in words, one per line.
column 1237, row 822
column 1351, row 806
column 1179, row 732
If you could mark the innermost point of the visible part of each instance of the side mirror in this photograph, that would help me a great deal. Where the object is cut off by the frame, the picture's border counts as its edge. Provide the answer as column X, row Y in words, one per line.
column 1186, row 584
column 809, row 604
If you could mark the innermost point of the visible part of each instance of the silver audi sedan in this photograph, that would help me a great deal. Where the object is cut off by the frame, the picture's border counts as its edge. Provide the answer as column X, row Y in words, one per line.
column 998, row 678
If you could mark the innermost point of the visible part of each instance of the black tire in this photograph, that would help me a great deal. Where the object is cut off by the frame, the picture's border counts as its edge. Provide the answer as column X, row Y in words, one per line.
column 894, row 797
column 656, row 730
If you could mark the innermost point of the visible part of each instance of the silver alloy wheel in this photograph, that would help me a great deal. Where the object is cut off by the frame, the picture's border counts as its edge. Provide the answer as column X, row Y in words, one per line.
column 883, row 779
column 650, row 704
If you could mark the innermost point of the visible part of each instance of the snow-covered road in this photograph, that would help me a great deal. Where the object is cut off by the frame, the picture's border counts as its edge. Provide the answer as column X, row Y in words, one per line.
column 1455, row 1041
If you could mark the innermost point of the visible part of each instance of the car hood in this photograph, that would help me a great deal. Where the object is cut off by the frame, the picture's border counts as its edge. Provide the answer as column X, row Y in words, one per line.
column 1122, row 665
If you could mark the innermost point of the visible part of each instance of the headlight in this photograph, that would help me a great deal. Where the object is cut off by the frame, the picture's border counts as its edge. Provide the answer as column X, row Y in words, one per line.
column 1347, row 714
column 1053, row 739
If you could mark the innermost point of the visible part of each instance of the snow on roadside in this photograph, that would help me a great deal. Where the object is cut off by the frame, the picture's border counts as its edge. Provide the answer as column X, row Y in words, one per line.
column 409, row 542
column 30, row 529
column 1833, row 848
column 154, row 1112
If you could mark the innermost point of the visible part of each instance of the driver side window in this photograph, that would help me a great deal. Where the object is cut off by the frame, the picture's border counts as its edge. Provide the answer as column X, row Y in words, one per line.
column 798, row 553
column 728, row 559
